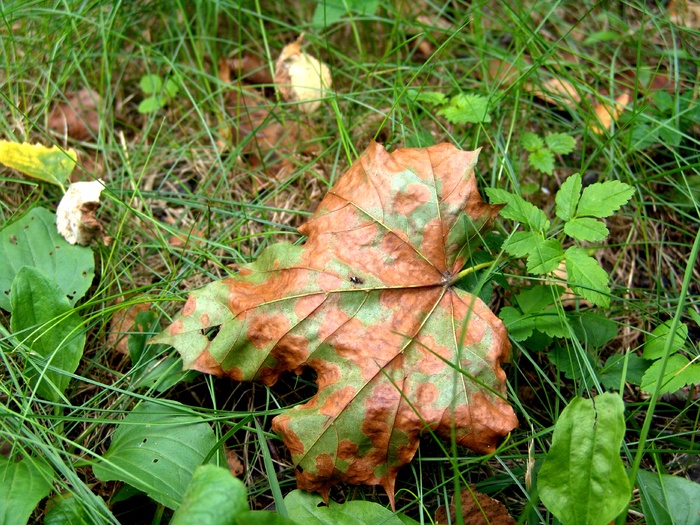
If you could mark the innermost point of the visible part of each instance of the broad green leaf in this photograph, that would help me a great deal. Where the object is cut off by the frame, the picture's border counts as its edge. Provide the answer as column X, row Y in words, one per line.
column 519, row 326
column 545, row 257
column 156, row 449
column 531, row 141
column 171, row 88
column 151, row 84
column 213, row 497
column 33, row 241
column 465, row 108
column 518, row 209
column 542, row 160
column 655, row 343
column 151, row 104
column 307, row 509
column 521, row 244
column 568, row 197
column 669, row 499
column 678, row 373
column 586, row 229
column 560, row 143
column 52, row 165
column 329, row 12
column 552, row 321
column 611, row 374
column 594, row 331
column 370, row 303
column 586, row 277
column 23, row 484
column 538, row 297
column 583, row 480
column 572, row 363
column 602, row 199
column 44, row 321
column 71, row 510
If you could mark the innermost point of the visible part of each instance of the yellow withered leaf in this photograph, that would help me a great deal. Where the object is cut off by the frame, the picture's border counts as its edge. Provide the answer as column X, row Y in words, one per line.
column 53, row 165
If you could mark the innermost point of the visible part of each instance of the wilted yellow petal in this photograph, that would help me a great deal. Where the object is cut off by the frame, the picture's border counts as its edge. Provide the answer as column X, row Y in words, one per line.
column 52, row 165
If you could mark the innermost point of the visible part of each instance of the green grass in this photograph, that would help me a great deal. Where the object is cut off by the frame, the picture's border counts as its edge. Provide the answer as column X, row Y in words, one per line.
column 167, row 174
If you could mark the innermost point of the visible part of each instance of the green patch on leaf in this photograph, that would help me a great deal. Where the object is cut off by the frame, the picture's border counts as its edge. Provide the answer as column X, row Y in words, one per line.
column 583, row 480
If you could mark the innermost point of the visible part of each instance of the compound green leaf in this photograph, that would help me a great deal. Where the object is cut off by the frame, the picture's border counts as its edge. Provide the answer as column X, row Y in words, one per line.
column 583, row 480
column 44, row 322
column 586, row 229
column 23, row 484
column 518, row 209
column 156, row 449
column 669, row 499
column 531, row 141
column 542, row 160
column 586, row 277
column 568, row 197
column 369, row 302
column 538, row 297
column 52, row 165
column 560, row 143
column 655, row 343
column 521, row 244
column 602, row 199
column 545, row 257
column 519, row 326
column 33, row 241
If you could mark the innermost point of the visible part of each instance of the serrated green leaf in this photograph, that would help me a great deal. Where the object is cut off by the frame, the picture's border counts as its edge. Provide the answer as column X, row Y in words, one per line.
column 668, row 499
column 431, row 98
column 33, row 241
column 560, row 143
column 542, row 160
column 552, row 321
column 151, row 84
column 44, row 321
column 583, row 480
column 611, row 374
column 213, row 497
column 679, row 372
column 519, row 326
column 23, row 484
column 465, row 108
column 656, row 341
column 518, row 209
column 586, row 277
column 545, row 257
column 586, row 229
column 521, row 243
column 156, row 449
column 531, row 141
column 594, row 331
column 568, row 196
column 602, row 199
column 52, row 165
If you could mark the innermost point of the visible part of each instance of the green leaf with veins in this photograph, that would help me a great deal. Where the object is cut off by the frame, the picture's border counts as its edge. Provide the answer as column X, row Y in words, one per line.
column 568, row 196
column 602, row 199
column 655, row 344
column 678, row 373
column 465, row 108
column 518, row 209
column 560, row 143
column 531, row 141
column 586, row 229
column 542, row 160
column 545, row 257
column 586, row 277
column 520, row 243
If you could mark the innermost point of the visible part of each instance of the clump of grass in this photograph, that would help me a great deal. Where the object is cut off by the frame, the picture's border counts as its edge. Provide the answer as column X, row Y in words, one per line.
column 174, row 173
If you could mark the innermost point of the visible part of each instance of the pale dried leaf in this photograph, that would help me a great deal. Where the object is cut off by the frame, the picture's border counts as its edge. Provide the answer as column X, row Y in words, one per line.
column 557, row 92
column 607, row 113
column 301, row 77
column 75, row 215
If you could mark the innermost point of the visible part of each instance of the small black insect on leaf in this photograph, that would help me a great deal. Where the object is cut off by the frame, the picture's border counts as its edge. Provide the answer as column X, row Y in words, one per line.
column 357, row 280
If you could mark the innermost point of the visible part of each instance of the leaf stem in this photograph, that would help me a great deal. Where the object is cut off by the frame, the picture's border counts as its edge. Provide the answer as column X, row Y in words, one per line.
column 457, row 277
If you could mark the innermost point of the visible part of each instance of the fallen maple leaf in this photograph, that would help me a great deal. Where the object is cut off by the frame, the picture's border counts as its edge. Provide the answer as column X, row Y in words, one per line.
column 477, row 509
column 368, row 303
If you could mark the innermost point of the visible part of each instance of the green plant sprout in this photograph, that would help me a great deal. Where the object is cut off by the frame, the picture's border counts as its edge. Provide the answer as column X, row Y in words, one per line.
column 160, row 93
column 541, row 156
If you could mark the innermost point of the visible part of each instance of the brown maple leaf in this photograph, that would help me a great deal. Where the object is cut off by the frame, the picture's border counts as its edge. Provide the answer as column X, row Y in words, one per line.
column 476, row 509
column 369, row 303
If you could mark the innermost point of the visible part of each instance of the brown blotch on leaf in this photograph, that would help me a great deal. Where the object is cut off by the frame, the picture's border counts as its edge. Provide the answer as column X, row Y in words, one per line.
column 477, row 509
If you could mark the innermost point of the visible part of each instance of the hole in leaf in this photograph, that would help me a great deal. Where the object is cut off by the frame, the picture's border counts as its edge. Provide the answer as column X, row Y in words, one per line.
column 84, row 274
column 50, row 254
column 155, row 460
column 144, row 440
column 211, row 333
